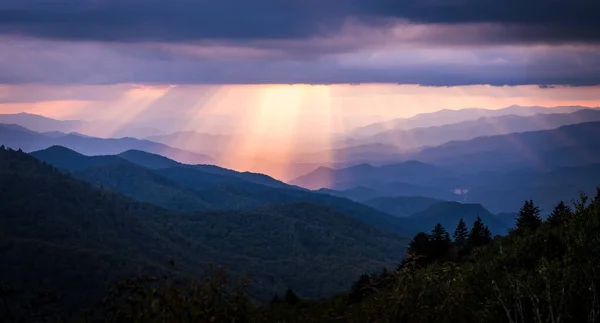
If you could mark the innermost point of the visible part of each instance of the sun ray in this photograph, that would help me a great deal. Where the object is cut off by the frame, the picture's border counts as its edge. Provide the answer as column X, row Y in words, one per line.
column 193, row 135
column 125, row 111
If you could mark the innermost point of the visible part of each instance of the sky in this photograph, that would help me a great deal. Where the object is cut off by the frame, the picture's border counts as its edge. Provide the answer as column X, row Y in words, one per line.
column 281, row 71
column 427, row 42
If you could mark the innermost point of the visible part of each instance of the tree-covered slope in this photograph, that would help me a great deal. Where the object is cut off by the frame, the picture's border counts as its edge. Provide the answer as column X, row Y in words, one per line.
column 202, row 187
column 543, row 271
column 63, row 235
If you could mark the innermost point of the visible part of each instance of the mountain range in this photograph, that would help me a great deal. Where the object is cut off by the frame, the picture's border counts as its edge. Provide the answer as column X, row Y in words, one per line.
column 16, row 136
column 499, row 172
column 125, row 207
column 58, row 220
column 418, row 138
column 216, row 188
column 446, row 116
column 577, row 144
column 387, row 146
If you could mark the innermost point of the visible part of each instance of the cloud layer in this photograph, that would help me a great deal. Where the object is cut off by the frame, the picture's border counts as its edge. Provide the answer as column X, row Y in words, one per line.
column 185, row 20
column 428, row 42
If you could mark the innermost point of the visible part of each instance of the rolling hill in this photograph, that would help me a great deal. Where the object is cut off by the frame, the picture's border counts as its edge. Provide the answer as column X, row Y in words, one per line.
column 219, row 174
column 85, row 237
column 113, row 172
column 193, row 188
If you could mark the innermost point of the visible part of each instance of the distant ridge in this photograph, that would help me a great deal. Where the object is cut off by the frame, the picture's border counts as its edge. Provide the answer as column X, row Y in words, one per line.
column 525, row 149
column 413, row 172
column 418, row 138
column 28, row 140
column 446, row 116
column 41, row 123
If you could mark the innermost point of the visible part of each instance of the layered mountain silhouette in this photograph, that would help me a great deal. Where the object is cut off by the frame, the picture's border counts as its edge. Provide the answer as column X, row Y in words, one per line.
column 91, row 211
column 40, row 123
column 397, row 144
column 411, row 172
column 499, row 172
column 196, row 187
column 51, row 126
column 49, row 216
column 445, row 117
column 516, row 150
column 19, row 137
column 408, row 140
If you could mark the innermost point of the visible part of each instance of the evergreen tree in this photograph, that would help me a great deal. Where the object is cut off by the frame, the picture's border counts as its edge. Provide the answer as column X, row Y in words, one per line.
column 440, row 242
column 360, row 289
column 479, row 235
column 420, row 244
column 419, row 251
column 529, row 217
column 560, row 214
column 290, row 297
column 461, row 234
column 447, row 238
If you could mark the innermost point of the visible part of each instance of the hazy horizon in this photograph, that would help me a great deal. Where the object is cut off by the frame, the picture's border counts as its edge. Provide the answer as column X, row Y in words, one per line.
column 285, row 130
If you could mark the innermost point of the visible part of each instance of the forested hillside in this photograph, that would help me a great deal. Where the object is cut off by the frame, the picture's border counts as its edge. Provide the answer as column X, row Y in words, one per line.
column 69, row 240
column 542, row 271
column 201, row 187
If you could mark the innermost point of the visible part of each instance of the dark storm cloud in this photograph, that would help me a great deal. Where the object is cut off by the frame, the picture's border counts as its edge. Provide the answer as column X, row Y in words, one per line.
column 185, row 20
column 177, row 20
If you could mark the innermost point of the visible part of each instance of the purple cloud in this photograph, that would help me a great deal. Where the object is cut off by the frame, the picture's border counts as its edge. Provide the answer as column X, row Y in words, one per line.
column 35, row 61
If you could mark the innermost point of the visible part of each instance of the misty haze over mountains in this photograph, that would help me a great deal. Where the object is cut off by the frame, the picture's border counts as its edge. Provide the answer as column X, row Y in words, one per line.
column 382, row 184
column 475, row 153
column 434, row 154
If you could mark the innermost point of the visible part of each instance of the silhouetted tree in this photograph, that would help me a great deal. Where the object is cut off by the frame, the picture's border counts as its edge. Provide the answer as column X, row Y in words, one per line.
column 479, row 235
column 440, row 242
column 529, row 217
column 290, row 297
column 420, row 244
column 560, row 214
column 419, row 250
column 461, row 234
column 360, row 289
